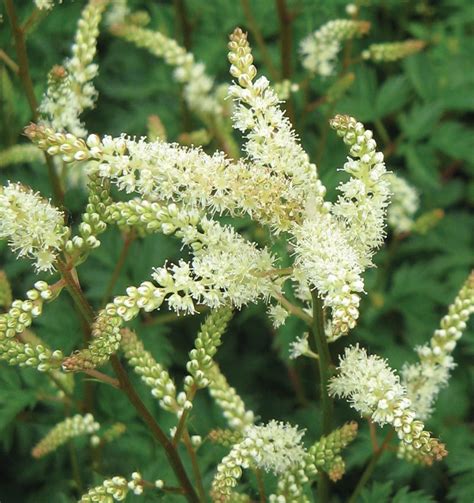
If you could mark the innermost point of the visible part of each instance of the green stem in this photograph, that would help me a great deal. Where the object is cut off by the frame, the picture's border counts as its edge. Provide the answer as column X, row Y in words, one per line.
column 25, row 77
column 320, row 342
column 370, row 468
column 291, row 308
column 257, row 35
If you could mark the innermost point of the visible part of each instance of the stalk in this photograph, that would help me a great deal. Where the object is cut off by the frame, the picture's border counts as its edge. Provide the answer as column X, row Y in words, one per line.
column 126, row 386
column 324, row 361
column 25, row 77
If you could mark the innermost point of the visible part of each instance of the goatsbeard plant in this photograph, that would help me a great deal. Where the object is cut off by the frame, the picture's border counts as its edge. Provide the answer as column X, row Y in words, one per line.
column 181, row 191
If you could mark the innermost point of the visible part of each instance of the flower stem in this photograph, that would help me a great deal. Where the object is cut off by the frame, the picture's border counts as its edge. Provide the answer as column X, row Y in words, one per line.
column 126, row 386
column 25, row 77
column 170, row 450
column 324, row 361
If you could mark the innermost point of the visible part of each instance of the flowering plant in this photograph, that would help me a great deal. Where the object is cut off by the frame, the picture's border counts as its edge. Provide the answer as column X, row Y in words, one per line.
column 257, row 227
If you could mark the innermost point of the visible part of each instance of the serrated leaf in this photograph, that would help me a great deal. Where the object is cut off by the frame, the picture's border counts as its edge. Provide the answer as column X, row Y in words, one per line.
column 378, row 492
column 420, row 120
column 455, row 140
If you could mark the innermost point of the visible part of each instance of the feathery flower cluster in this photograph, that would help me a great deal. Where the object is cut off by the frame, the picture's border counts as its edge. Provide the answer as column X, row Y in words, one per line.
column 425, row 379
column 24, row 153
column 151, row 372
column 325, row 453
column 198, row 86
column 224, row 270
column 365, row 197
column 271, row 141
column 70, row 90
column 274, row 447
column 336, row 242
column 233, row 407
column 169, row 172
column 65, row 430
column 393, row 51
column 325, row 257
column 114, row 489
column 300, row 347
column 404, row 204
column 374, row 390
column 320, row 49
column 33, row 227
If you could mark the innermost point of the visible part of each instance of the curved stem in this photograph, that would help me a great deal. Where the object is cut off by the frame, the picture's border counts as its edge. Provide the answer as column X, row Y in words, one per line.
column 321, row 345
column 158, row 433
column 291, row 308
column 25, row 77
column 195, row 466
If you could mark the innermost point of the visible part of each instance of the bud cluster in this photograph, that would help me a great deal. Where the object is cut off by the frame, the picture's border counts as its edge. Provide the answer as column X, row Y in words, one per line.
column 22, row 153
column 33, row 227
column 426, row 378
column 206, row 344
column 325, row 453
column 151, row 372
column 393, row 51
column 70, row 90
column 233, row 407
column 198, row 86
column 374, row 390
column 320, row 49
column 65, row 430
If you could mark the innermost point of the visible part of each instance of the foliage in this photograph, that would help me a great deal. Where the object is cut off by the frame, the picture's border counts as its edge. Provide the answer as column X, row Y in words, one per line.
column 419, row 109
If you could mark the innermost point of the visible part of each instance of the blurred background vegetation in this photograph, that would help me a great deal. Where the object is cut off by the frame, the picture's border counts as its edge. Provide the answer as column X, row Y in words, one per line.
column 420, row 110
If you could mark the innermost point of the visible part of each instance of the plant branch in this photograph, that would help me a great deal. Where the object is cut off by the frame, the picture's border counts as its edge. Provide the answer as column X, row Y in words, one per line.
column 25, row 77
column 126, row 386
column 195, row 466
column 170, row 450
column 291, row 308
column 324, row 362
column 9, row 62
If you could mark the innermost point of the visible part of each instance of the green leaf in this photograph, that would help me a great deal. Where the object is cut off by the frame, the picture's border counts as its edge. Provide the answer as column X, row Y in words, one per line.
column 421, row 163
column 378, row 492
column 455, row 140
column 420, row 120
column 12, row 402
column 393, row 95
column 405, row 496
